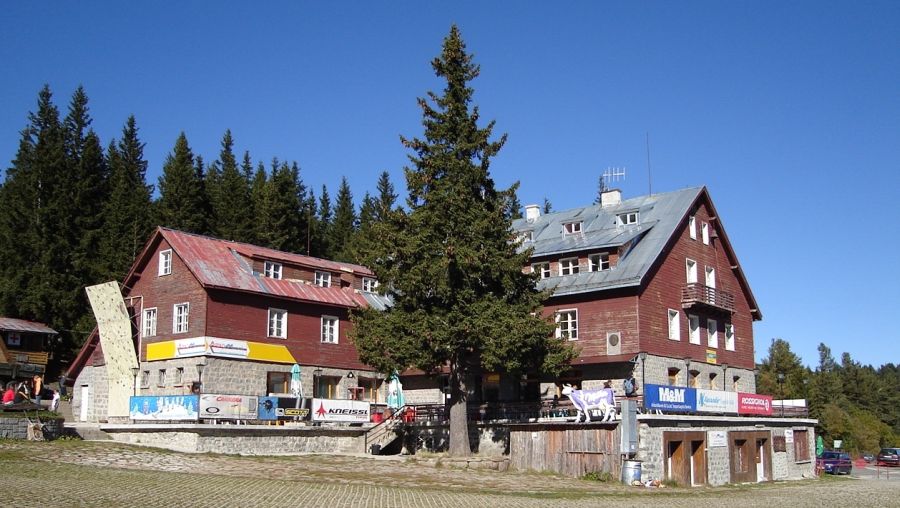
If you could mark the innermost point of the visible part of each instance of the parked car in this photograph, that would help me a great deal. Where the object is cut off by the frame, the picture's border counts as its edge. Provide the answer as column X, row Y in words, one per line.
column 868, row 457
column 888, row 457
column 835, row 462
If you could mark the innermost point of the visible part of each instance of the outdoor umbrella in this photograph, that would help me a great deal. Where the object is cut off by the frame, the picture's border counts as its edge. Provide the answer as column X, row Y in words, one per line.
column 395, row 393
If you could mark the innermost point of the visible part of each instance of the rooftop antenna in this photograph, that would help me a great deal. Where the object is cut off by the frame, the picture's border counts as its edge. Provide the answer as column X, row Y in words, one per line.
column 612, row 175
column 649, row 173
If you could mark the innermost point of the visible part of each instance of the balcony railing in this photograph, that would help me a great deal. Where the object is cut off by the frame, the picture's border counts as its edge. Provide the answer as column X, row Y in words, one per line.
column 35, row 357
column 699, row 294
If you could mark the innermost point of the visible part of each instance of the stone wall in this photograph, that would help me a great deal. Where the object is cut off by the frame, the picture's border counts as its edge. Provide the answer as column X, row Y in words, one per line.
column 17, row 427
column 657, row 372
column 241, row 439
column 98, row 394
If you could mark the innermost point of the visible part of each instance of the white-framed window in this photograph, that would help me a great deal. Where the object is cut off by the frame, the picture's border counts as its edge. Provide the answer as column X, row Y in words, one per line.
column 693, row 329
column 674, row 325
column 691, row 268
column 541, row 268
column 161, row 377
column 323, row 279
column 369, row 285
column 572, row 228
column 710, row 276
column 278, row 323
column 712, row 333
column 165, row 262
column 627, row 218
column 330, row 326
column 272, row 269
column 179, row 377
column 567, row 324
column 180, row 317
column 149, row 325
column 704, row 230
column 598, row 262
column 692, row 227
column 525, row 236
column 729, row 336
column 568, row 266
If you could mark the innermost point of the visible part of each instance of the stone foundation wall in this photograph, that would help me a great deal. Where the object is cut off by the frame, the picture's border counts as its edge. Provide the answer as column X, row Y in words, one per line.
column 17, row 428
column 241, row 439
column 98, row 394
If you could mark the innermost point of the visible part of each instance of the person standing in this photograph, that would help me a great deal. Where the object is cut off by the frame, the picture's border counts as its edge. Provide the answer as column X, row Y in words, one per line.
column 37, row 385
column 62, row 385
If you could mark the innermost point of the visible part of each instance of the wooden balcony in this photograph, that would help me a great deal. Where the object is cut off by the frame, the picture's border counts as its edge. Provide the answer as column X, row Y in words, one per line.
column 696, row 294
column 34, row 357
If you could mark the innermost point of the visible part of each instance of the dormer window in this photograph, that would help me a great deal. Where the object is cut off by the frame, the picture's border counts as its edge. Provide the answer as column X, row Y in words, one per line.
column 572, row 228
column 323, row 279
column 272, row 269
column 598, row 262
column 541, row 268
column 568, row 266
column 369, row 285
column 165, row 262
column 627, row 219
column 526, row 236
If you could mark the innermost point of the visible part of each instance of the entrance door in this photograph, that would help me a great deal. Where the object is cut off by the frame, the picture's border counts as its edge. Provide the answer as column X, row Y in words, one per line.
column 677, row 469
column 85, row 398
column 760, row 460
column 698, row 463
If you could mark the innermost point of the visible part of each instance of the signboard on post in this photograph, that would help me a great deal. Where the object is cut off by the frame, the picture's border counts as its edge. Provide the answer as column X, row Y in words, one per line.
column 228, row 407
column 332, row 410
column 670, row 398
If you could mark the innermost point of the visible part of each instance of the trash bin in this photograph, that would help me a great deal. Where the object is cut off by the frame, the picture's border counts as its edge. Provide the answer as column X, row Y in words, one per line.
column 631, row 471
column 375, row 449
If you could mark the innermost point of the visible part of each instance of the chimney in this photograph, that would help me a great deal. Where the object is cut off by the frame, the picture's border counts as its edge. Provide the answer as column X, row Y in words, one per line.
column 610, row 197
column 532, row 212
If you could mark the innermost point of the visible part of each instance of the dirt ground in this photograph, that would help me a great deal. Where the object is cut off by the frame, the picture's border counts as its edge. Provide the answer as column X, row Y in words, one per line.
column 85, row 473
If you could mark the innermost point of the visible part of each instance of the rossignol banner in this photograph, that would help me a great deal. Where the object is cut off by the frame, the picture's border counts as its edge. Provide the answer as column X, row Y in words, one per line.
column 717, row 401
column 332, row 410
column 754, row 404
column 230, row 407
column 670, row 398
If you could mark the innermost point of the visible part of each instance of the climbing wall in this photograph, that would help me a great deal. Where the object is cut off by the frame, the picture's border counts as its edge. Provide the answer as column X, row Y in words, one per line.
column 115, row 339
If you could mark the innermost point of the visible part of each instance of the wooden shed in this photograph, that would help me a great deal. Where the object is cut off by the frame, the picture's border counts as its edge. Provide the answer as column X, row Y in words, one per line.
column 570, row 449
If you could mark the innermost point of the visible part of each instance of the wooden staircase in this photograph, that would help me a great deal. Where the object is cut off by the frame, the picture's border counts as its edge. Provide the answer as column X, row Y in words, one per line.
column 387, row 432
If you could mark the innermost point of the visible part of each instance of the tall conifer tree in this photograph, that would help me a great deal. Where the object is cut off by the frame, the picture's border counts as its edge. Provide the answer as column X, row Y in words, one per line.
column 182, row 204
column 344, row 224
column 230, row 196
column 461, row 299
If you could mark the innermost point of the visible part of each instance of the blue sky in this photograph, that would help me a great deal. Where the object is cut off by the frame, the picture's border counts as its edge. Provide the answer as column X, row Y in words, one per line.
column 788, row 111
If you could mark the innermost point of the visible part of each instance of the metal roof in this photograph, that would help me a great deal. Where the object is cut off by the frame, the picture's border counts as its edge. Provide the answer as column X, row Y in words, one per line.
column 20, row 325
column 227, row 265
column 641, row 244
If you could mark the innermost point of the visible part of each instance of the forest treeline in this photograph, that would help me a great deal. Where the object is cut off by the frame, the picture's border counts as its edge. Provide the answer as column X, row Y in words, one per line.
column 76, row 212
column 857, row 404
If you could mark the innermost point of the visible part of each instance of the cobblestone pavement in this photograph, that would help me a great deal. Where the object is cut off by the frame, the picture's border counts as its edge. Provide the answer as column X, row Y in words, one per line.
column 77, row 473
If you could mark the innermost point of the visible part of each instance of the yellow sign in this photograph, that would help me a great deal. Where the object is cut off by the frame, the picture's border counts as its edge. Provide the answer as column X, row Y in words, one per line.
column 711, row 356
column 225, row 348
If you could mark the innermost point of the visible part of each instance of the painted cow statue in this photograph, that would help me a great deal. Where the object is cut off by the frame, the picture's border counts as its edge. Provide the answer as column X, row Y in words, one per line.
column 586, row 400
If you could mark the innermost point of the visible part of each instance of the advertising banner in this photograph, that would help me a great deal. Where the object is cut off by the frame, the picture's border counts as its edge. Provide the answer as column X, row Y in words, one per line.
column 165, row 407
column 717, row 401
column 229, row 407
column 754, row 404
column 332, row 410
column 222, row 348
column 268, row 408
column 670, row 398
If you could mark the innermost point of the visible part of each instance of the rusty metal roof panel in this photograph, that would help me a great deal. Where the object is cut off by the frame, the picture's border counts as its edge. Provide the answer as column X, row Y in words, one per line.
column 225, row 264
column 8, row 324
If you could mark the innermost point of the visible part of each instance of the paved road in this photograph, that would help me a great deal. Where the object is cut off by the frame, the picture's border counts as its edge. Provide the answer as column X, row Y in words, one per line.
column 76, row 473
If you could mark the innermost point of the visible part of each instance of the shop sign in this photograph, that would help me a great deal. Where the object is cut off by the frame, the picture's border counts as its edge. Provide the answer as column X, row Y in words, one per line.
column 754, row 404
column 717, row 401
column 334, row 410
column 163, row 407
column 670, row 398
column 788, row 435
column 228, row 348
column 711, row 356
column 190, row 347
column 228, row 407
column 716, row 439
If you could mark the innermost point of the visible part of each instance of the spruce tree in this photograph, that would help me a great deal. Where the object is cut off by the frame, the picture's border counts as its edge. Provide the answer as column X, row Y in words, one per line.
column 127, row 221
column 344, row 224
column 229, row 194
column 258, row 189
column 182, row 204
column 387, row 198
column 461, row 299
column 281, row 214
column 322, row 235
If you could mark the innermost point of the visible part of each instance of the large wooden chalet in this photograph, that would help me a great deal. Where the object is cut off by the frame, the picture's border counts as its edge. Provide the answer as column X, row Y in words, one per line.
column 245, row 314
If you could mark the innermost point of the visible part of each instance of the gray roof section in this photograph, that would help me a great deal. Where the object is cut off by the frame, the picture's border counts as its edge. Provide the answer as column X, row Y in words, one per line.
column 377, row 301
column 659, row 215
